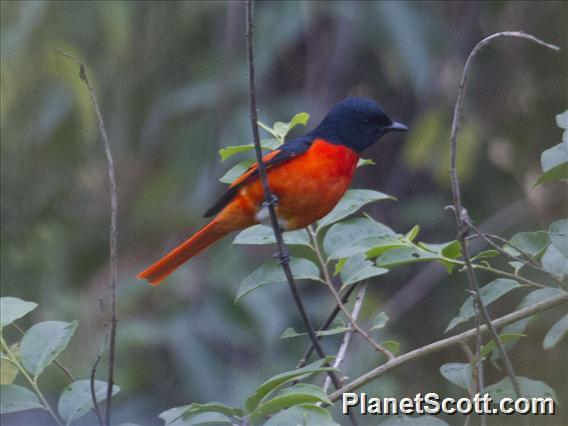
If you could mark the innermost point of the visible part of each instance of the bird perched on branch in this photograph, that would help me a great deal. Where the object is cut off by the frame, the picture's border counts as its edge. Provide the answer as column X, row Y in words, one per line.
column 308, row 175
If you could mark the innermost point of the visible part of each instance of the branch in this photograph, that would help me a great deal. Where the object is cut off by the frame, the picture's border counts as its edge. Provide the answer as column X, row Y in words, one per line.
column 113, row 232
column 356, row 327
column 270, row 199
column 459, row 211
column 347, row 337
column 325, row 325
column 446, row 343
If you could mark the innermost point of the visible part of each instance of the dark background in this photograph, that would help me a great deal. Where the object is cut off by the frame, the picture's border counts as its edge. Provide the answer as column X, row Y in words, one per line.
column 171, row 81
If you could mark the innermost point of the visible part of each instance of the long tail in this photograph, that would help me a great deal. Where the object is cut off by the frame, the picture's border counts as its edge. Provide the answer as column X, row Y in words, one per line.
column 192, row 246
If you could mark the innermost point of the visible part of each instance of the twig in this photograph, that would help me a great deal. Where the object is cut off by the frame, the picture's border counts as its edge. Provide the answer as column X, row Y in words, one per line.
column 529, row 261
column 113, row 233
column 325, row 325
column 459, row 211
column 270, row 199
column 347, row 337
column 356, row 327
column 446, row 343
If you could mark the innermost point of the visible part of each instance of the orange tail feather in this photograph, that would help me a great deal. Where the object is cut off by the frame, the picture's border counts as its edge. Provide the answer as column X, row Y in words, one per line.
column 189, row 248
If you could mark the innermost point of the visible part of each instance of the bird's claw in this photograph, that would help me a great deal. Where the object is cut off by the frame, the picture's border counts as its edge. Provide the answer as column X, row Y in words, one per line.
column 272, row 202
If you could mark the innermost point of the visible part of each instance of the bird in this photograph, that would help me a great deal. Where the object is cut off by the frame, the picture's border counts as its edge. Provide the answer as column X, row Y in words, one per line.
column 307, row 175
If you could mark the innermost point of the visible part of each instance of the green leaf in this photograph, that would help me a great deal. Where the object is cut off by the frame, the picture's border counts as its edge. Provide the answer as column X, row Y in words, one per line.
column 559, row 172
column 304, row 414
column 291, row 333
column 372, row 246
column 228, row 152
column 556, row 332
column 300, row 118
column 206, row 418
column 554, row 162
column 12, row 308
column 357, row 268
column 458, row 373
column 451, row 250
column 262, row 234
column 365, row 162
column 423, row 420
column 17, row 398
column 281, row 129
column 43, row 342
column 380, row 321
column 532, row 243
column 339, row 266
column 558, row 232
column 236, row 171
column 552, row 157
column 530, row 299
column 504, row 338
column 8, row 371
column 172, row 415
column 193, row 414
column 301, row 393
column 272, row 273
column 486, row 254
column 391, row 345
column 352, row 201
column 348, row 231
column 562, row 120
column 529, row 389
column 76, row 401
column 553, row 261
column 275, row 382
column 405, row 255
column 488, row 293
column 517, row 266
column 413, row 233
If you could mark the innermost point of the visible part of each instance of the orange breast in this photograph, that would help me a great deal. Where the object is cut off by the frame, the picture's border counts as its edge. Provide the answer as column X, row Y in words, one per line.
column 307, row 187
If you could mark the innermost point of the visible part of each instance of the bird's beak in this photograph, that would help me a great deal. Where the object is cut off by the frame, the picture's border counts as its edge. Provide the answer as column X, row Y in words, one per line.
column 397, row 127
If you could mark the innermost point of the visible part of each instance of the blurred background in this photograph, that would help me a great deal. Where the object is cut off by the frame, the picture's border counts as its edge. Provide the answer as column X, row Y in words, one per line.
column 171, row 81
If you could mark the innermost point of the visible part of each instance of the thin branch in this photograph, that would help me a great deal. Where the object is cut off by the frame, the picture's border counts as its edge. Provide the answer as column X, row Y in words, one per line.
column 325, row 325
column 356, row 327
column 347, row 337
column 270, row 199
column 113, row 232
column 446, row 343
column 529, row 261
column 459, row 211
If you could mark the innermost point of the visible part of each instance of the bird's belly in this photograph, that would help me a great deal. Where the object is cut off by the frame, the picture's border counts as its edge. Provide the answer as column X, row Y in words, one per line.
column 307, row 187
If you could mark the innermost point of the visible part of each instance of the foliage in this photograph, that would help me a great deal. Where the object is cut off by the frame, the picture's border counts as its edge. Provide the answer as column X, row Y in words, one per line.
column 39, row 347
column 170, row 79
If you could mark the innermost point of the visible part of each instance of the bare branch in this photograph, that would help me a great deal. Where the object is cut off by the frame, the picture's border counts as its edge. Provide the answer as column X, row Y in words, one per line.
column 460, row 212
column 446, row 343
column 347, row 337
column 325, row 325
column 113, row 232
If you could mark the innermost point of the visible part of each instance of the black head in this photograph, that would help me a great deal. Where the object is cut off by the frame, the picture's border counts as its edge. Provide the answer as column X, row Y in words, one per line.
column 357, row 123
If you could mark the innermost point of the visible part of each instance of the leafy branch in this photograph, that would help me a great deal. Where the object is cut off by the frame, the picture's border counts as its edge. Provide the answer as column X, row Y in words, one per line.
column 460, row 213
column 446, row 343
